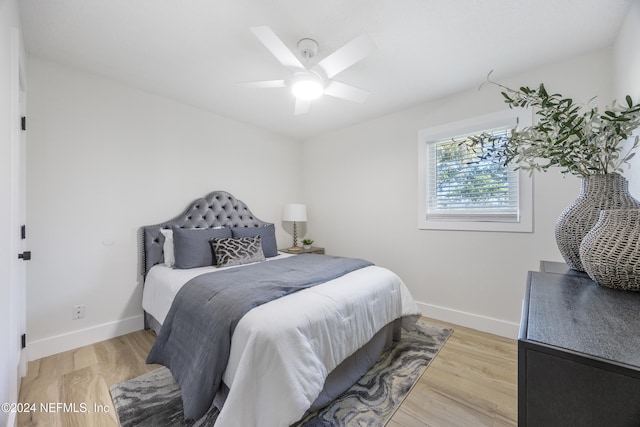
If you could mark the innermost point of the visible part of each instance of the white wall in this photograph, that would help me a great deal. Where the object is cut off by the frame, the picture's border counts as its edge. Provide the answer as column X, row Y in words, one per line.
column 361, row 191
column 105, row 159
column 626, row 60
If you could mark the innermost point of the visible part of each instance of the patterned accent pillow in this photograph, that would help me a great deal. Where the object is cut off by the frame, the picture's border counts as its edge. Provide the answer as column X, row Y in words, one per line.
column 237, row 250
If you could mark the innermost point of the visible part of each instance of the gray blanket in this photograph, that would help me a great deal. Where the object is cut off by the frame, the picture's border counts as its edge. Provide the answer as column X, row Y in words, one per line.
column 195, row 339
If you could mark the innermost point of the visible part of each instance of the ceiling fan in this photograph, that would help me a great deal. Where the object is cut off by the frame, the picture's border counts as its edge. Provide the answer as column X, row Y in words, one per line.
column 309, row 81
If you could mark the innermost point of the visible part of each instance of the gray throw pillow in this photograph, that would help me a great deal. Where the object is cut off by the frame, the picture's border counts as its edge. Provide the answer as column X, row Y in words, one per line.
column 237, row 250
column 191, row 246
column 267, row 233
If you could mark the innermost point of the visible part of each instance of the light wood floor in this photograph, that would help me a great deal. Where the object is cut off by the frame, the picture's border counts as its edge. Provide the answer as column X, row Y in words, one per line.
column 472, row 382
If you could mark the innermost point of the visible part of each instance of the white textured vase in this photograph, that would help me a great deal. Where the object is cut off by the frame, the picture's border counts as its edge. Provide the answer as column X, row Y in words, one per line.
column 597, row 192
column 610, row 252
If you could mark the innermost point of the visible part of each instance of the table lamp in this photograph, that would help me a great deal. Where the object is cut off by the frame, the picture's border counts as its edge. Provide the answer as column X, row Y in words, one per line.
column 294, row 212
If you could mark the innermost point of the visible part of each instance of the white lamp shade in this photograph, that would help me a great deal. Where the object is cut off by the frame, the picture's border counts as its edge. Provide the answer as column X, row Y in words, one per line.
column 294, row 212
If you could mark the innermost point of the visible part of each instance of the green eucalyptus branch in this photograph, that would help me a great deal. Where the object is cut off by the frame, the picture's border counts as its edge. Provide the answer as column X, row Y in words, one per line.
column 578, row 139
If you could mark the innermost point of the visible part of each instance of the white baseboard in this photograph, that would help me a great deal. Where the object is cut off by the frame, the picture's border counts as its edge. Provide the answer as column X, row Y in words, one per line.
column 491, row 325
column 72, row 340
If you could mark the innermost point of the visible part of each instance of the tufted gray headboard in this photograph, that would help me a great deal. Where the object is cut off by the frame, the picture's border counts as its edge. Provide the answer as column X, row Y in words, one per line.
column 216, row 209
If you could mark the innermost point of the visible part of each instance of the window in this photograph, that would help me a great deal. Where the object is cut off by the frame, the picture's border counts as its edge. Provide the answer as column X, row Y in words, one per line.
column 460, row 192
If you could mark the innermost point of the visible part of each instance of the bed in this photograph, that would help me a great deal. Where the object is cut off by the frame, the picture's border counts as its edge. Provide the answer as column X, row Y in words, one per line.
column 287, row 356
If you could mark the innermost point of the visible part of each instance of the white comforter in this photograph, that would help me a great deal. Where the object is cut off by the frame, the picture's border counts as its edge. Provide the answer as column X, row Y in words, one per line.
column 282, row 351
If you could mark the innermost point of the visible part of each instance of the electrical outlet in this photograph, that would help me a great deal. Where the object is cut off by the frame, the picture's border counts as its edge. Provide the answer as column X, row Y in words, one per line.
column 78, row 312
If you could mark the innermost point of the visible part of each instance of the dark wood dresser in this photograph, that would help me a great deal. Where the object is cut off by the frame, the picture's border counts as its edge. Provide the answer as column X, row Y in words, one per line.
column 578, row 352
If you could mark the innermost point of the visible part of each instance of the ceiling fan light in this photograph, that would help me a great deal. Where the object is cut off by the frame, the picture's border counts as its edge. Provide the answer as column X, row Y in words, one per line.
column 307, row 89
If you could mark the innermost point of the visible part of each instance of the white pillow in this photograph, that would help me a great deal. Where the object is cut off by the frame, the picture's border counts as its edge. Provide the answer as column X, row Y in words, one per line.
column 169, row 257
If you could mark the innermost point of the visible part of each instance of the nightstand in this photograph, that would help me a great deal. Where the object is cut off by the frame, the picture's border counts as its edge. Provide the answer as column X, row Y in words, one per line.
column 311, row 250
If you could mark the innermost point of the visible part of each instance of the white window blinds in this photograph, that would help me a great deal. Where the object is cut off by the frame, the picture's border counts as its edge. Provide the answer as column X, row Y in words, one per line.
column 460, row 187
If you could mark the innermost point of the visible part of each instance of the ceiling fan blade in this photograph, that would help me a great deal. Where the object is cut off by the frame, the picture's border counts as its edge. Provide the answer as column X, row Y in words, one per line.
column 345, row 91
column 347, row 55
column 302, row 106
column 277, row 47
column 265, row 84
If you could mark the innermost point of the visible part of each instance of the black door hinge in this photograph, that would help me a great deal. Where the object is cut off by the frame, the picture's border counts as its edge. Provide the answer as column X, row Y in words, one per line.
column 23, row 232
column 26, row 255
column 23, row 123
column 23, row 340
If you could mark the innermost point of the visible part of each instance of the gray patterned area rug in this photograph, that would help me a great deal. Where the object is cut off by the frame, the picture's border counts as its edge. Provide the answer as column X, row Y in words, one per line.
column 154, row 400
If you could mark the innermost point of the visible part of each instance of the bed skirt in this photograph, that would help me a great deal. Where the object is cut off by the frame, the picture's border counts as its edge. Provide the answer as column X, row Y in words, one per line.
column 342, row 377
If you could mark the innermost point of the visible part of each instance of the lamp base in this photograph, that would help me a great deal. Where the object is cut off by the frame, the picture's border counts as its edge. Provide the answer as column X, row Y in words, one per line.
column 294, row 249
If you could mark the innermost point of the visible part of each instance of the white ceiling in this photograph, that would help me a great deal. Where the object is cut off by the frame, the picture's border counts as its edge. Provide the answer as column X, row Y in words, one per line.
column 195, row 51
